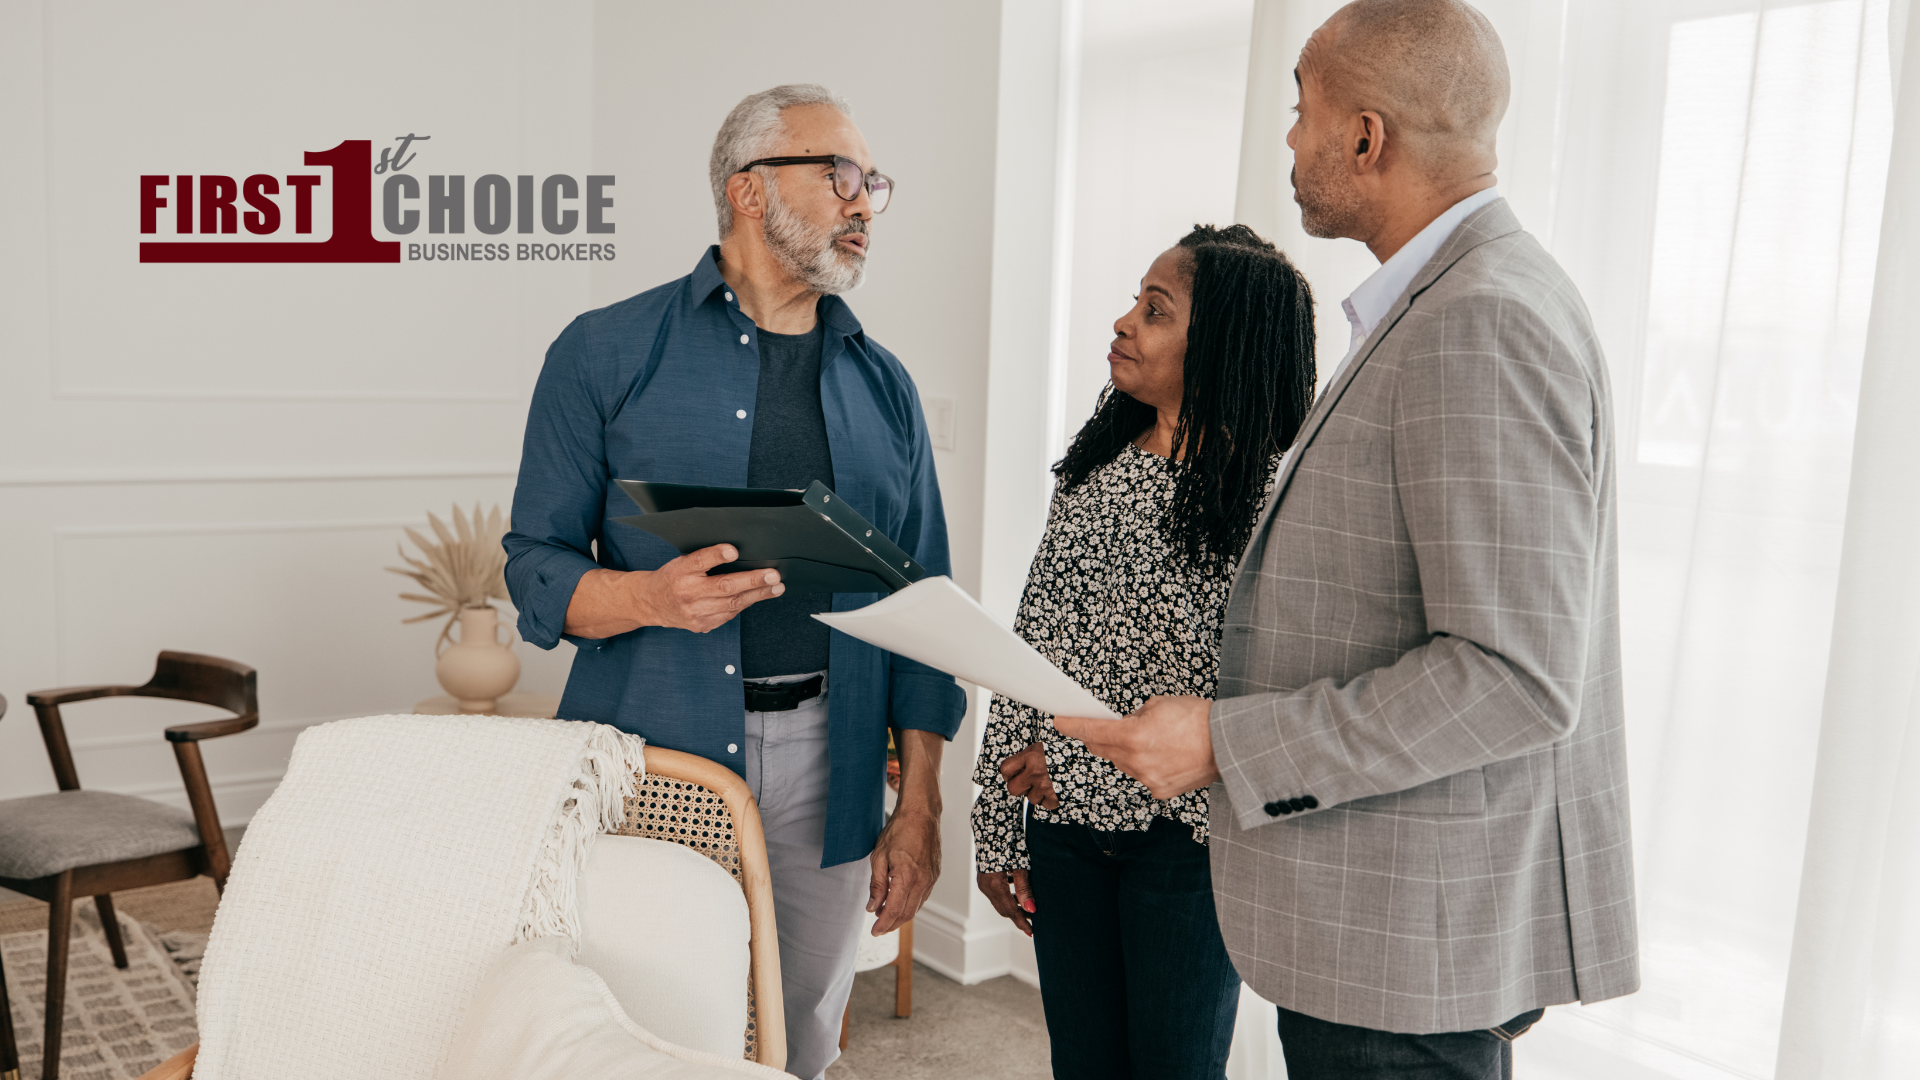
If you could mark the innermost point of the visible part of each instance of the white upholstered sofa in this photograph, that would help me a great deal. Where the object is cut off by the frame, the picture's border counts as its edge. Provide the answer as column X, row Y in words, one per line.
column 673, row 974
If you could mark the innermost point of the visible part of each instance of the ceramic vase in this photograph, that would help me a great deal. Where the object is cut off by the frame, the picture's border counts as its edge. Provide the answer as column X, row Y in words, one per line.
column 478, row 667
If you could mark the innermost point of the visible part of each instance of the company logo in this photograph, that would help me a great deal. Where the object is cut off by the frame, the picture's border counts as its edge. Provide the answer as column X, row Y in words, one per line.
column 265, row 204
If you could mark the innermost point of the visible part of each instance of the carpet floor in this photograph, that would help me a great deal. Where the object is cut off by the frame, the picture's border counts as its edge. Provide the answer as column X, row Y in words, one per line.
column 994, row 1029
column 118, row 1023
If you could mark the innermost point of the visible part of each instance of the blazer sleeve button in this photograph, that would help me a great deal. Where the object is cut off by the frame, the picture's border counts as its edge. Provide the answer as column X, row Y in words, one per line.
column 1310, row 802
column 1275, row 809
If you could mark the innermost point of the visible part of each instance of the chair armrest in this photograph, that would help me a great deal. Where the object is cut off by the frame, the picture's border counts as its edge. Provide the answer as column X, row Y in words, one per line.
column 77, row 693
column 756, row 880
column 211, row 729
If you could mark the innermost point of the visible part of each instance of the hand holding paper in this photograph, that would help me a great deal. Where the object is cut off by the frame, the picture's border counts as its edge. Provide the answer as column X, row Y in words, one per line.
column 934, row 622
column 1167, row 745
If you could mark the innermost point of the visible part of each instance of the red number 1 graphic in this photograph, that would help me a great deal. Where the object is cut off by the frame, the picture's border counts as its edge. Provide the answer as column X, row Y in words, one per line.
column 352, row 240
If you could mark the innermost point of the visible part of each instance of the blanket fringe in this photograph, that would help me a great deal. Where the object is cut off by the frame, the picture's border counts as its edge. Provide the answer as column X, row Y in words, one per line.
column 610, row 762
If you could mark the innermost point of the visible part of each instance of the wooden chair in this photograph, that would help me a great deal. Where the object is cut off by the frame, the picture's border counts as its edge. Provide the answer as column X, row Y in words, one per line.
column 76, row 844
column 705, row 806
column 902, row 965
column 9, row 1049
column 902, row 962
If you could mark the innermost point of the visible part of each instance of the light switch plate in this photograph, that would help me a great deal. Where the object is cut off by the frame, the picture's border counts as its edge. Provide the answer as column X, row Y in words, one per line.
column 939, row 412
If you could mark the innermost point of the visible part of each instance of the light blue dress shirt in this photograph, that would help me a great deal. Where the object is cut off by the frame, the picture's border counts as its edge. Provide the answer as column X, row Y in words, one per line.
column 1375, row 296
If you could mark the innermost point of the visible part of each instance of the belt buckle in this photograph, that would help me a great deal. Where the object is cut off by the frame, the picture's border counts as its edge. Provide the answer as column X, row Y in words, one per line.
column 782, row 697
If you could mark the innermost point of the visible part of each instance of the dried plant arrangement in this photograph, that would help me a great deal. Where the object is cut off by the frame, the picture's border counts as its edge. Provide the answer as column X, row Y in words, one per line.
column 464, row 570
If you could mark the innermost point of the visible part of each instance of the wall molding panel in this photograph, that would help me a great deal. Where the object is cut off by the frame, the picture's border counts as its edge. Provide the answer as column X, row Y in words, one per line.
column 238, row 797
column 220, row 457
column 244, row 475
column 67, row 535
column 92, row 393
column 159, row 791
column 225, row 528
column 302, row 598
column 151, row 738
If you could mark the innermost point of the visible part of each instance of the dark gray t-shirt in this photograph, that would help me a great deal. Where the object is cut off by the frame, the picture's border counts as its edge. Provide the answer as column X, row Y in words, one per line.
column 789, row 450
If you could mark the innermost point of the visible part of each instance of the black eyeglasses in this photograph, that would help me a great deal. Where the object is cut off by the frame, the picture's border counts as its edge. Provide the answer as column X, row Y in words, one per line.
column 848, row 178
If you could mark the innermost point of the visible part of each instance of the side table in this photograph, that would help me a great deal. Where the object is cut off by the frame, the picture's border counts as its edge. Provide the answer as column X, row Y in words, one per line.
column 538, row 706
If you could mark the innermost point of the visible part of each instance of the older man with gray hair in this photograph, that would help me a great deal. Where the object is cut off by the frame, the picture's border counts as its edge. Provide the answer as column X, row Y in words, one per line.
column 1420, row 829
column 751, row 371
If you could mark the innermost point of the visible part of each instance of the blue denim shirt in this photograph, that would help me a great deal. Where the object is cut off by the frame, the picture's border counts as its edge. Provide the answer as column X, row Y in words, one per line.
column 661, row 387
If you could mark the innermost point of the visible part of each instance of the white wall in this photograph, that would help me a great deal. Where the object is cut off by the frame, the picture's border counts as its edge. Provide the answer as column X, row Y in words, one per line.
column 1119, row 129
column 218, row 458
column 922, row 80
column 1033, row 183
column 1161, row 94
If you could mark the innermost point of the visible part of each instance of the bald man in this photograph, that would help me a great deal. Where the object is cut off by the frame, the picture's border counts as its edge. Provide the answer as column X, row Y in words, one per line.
column 1420, row 834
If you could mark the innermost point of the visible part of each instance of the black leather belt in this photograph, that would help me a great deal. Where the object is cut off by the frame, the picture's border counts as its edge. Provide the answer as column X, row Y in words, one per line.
column 780, row 697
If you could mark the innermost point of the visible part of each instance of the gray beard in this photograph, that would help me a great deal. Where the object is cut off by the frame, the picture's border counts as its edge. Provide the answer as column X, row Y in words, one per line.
column 808, row 252
column 1329, row 207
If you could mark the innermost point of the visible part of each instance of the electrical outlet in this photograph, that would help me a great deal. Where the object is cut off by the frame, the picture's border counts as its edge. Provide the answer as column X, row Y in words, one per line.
column 939, row 412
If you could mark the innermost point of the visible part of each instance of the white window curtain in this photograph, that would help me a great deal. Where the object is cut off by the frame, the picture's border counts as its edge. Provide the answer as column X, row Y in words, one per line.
column 1735, row 186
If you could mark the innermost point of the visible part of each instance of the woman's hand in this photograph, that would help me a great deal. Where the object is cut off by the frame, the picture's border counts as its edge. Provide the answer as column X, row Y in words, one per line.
column 1011, row 896
column 1008, row 891
column 1026, row 775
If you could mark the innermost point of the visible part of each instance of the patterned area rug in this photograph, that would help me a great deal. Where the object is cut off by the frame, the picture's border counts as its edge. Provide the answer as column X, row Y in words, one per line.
column 118, row 1023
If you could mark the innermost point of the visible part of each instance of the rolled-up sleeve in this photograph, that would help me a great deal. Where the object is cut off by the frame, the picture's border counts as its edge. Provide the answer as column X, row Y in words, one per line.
column 559, row 499
column 920, row 697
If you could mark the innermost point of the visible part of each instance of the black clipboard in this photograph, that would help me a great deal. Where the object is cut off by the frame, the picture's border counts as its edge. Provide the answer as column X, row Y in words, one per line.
column 816, row 541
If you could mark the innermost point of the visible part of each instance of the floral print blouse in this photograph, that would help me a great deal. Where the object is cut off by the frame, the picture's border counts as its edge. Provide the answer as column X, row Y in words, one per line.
column 1114, row 604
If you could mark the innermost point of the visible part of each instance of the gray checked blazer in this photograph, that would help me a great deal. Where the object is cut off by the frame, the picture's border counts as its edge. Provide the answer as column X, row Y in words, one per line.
column 1421, row 824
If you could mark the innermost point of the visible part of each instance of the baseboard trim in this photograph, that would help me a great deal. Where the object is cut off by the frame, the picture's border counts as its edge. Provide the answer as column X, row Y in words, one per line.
column 945, row 942
column 271, row 474
column 1023, row 964
column 238, row 796
column 154, row 738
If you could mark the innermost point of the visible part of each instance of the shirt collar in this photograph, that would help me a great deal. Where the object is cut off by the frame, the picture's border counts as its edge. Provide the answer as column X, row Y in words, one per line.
column 706, row 273
column 707, row 282
column 1375, row 297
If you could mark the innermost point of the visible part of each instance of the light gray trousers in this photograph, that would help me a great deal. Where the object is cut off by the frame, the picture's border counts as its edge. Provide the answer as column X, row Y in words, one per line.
column 818, row 911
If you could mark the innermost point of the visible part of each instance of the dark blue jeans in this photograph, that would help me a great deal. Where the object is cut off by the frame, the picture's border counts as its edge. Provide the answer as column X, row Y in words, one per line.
column 1133, row 974
column 1321, row 1050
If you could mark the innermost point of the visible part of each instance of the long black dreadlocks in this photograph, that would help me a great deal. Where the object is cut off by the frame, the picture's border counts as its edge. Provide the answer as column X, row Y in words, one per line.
column 1247, row 386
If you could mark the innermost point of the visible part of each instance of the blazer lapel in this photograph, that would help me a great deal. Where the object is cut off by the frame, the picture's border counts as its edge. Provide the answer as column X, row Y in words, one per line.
column 1490, row 222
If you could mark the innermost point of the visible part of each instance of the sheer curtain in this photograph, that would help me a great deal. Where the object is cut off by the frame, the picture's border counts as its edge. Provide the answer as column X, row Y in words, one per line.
column 1713, row 174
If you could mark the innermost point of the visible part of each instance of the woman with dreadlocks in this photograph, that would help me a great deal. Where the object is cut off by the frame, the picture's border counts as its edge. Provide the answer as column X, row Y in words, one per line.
column 1212, row 374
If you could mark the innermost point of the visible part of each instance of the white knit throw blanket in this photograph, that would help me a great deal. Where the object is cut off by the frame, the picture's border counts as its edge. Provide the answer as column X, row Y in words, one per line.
column 397, row 859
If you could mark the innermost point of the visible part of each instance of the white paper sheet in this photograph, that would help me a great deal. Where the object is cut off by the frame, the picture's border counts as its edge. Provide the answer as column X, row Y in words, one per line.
column 934, row 622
